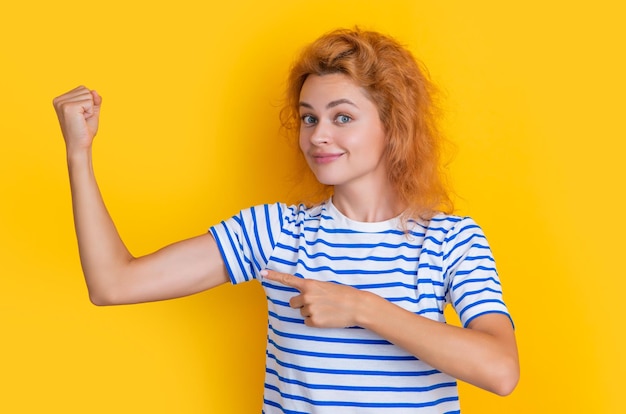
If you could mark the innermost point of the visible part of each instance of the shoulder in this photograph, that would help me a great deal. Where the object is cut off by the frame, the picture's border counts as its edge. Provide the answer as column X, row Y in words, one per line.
column 302, row 215
column 302, row 211
column 278, row 214
column 446, row 228
column 449, row 222
column 452, row 236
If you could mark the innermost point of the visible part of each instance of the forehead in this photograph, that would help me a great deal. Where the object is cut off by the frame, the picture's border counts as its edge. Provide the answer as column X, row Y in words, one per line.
column 325, row 88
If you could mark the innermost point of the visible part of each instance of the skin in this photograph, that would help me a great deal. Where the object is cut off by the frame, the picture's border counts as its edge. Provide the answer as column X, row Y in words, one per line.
column 343, row 141
column 112, row 274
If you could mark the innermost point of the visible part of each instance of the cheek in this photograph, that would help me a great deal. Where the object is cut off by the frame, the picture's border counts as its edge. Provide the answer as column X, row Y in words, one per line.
column 303, row 141
column 377, row 145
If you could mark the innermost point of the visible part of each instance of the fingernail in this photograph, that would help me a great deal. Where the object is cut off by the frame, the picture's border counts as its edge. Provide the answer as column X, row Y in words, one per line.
column 264, row 272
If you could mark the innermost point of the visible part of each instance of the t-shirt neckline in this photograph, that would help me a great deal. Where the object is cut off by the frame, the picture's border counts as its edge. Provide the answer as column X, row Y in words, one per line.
column 368, row 226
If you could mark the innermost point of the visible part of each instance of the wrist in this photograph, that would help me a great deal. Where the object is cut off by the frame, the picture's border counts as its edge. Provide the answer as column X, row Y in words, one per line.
column 367, row 308
column 75, row 155
column 79, row 161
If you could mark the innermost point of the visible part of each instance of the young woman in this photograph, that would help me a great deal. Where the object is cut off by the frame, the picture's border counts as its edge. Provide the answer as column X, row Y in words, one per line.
column 357, row 283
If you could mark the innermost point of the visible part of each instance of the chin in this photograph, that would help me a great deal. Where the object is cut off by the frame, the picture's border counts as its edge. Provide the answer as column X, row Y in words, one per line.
column 326, row 180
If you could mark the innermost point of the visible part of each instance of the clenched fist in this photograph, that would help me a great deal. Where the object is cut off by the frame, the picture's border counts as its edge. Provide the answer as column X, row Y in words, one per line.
column 78, row 111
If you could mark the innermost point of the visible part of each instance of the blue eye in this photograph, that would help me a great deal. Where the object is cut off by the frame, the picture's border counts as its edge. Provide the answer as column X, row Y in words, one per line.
column 308, row 119
column 343, row 119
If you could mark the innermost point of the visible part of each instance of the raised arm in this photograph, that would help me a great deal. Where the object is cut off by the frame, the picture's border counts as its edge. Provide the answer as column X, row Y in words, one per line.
column 112, row 274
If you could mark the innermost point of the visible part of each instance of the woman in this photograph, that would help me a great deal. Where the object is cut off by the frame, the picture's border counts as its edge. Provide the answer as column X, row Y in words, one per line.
column 357, row 283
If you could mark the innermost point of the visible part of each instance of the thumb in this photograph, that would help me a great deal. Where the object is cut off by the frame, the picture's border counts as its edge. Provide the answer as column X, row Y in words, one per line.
column 284, row 278
column 97, row 102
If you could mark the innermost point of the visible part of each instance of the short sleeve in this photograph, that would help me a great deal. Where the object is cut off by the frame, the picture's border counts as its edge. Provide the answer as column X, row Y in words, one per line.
column 246, row 240
column 473, row 284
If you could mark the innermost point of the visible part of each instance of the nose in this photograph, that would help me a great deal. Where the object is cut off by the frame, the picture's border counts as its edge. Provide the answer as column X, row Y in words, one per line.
column 321, row 134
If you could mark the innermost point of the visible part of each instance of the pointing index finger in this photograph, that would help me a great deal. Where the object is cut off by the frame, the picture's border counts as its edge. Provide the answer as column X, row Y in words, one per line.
column 283, row 278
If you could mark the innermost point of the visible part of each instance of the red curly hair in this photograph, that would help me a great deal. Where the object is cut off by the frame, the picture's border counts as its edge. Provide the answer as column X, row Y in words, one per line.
column 399, row 87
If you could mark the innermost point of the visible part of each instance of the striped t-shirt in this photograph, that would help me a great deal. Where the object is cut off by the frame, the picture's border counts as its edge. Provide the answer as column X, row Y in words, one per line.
column 350, row 370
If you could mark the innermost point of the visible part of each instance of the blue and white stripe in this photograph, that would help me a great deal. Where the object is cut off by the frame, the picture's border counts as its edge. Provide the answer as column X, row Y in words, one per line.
column 310, row 370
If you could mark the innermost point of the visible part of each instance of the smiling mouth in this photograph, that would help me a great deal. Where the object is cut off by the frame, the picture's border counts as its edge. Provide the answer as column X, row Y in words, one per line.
column 325, row 158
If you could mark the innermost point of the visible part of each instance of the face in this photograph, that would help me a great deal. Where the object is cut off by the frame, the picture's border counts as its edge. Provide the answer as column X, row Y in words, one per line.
column 341, row 134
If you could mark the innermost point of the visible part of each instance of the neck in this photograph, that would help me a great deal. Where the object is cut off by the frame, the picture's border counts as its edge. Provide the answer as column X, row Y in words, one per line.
column 368, row 204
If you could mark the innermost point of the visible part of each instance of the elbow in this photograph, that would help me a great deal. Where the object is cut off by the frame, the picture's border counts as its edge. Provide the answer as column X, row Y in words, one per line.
column 506, row 386
column 104, row 287
column 101, row 299
column 506, row 379
column 103, row 295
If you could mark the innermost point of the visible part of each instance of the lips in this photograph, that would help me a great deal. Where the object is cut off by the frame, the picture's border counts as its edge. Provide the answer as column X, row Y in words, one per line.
column 325, row 158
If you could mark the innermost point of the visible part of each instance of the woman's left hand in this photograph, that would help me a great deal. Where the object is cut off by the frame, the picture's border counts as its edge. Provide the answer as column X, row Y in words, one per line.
column 322, row 304
column 483, row 354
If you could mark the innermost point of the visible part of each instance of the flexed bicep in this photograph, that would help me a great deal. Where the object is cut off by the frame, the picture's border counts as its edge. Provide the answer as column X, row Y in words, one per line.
column 180, row 269
column 112, row 274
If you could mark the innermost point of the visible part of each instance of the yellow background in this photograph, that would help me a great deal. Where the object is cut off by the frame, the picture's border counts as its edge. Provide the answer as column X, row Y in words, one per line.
column 534, row 96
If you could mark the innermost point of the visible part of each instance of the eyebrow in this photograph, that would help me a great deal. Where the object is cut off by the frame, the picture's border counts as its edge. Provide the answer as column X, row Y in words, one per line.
column 331, row 104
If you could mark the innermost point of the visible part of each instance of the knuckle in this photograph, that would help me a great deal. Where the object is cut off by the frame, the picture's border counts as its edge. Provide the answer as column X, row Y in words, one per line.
column 315, row 320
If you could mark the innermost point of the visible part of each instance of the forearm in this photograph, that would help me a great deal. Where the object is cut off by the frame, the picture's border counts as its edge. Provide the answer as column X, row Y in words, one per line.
column 102, row 252
column 113, row 276
column 484, row 354
column 485, row 359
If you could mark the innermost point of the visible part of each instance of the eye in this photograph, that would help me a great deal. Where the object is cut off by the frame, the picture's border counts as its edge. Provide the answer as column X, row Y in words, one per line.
column 308, row 119
column 343, row 119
